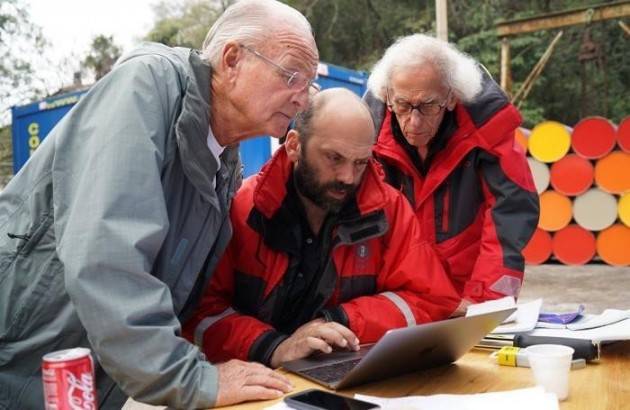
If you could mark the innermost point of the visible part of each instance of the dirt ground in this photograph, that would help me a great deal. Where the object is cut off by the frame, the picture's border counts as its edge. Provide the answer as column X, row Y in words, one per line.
column 596, row 286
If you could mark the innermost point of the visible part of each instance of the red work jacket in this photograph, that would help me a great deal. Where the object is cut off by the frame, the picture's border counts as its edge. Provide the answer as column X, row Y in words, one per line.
column 379, row 275
column 476, row 204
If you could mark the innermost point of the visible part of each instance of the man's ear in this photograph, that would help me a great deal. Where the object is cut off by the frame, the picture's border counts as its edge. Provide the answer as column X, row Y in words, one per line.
column 452, row 102
column 293, row 145
column 386, row 99
column 231, row 55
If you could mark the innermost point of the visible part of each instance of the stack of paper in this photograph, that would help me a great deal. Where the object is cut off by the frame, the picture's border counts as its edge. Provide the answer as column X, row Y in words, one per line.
column 619, row 330
column 607, row 317
column 611, row 325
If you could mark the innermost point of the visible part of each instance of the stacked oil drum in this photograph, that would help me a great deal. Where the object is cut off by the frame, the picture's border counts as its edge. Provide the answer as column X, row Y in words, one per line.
column 583, row 178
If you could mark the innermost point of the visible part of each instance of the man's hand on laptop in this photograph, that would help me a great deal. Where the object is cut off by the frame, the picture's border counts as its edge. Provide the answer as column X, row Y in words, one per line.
column 242, row 381
column 316, row 335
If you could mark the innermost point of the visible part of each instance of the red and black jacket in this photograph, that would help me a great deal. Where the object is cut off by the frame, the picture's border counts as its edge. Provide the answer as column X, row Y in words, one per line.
column 378, row 274
column 476, row 201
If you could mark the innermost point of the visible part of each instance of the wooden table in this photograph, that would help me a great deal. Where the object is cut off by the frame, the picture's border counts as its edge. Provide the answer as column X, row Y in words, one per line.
column 603, row 385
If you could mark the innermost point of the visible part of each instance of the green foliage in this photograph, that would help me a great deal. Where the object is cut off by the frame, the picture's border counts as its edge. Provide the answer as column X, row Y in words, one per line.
column 185, row 23
column 20, row 40
column 567, row 90
column 355, row 33
column 6, row 155
column 102, row 55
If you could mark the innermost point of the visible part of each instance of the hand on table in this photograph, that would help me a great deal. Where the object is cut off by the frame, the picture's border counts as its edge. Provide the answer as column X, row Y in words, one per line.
column 242, row 381
column 316, row 335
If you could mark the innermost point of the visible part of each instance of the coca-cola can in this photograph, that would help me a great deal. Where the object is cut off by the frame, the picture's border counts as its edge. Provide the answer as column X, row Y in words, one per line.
column 68, row 377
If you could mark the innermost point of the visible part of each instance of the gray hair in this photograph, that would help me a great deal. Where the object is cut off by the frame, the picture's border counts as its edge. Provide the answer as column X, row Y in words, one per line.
column 249, row 22
column 460, row 72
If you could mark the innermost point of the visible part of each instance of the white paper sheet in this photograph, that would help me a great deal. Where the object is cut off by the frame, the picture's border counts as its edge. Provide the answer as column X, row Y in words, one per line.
column 526, row 318
column 612, row 332
column 523, row 320
column 493, row 306
column 607, row 317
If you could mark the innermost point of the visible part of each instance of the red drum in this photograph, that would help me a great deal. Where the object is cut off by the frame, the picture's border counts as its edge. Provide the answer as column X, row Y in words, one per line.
column 68, row 377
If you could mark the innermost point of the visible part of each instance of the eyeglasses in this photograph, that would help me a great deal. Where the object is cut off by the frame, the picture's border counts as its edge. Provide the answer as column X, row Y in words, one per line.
column 401, row 107
column 294, row 79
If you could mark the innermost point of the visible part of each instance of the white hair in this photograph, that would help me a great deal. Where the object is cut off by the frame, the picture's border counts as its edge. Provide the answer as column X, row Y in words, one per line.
column 249, row 22
column 459, row 71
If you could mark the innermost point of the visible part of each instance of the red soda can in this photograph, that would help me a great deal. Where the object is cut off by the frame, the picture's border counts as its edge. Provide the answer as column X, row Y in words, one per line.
column 68, row 377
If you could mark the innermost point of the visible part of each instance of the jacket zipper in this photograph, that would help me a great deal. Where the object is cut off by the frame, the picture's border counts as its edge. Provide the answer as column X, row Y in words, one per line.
column 445, row 208
column 24, row 237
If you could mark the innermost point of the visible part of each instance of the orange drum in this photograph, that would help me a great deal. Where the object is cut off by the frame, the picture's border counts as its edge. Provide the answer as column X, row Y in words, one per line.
column 613, row 245
column 555, row 211
column 572, row 175
column 623, row 135
column 538, row 250
column 612, row 173
column 573, row 245
column 593, row 137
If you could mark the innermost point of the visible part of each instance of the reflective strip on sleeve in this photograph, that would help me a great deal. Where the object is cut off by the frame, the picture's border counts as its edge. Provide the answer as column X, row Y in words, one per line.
column 507, row 285
column 207, row 322
column 402, row 306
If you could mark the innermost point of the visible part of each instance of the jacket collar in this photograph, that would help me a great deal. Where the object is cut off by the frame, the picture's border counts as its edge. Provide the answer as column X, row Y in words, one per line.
column 496, row 129
column 485, row 123
column 192, row 128
column 445, row 131
column 274, row 216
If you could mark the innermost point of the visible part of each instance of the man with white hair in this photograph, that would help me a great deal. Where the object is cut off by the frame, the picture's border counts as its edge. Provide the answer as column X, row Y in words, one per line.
column 110, row 232
column 446, row 140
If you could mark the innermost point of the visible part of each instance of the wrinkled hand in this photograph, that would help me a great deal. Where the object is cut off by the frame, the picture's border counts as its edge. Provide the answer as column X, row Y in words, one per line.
column 242, row 381
column 461, row 309
column 316, row 335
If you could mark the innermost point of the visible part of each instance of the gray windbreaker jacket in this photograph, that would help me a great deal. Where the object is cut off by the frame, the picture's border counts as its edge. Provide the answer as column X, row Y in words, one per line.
column 110, row 232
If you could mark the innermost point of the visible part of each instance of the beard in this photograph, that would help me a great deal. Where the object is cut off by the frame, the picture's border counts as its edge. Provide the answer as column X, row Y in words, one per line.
column 307, row 184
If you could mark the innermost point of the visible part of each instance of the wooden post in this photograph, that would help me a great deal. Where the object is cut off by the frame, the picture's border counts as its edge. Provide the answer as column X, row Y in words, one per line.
column 506, row 74
column 441, row 20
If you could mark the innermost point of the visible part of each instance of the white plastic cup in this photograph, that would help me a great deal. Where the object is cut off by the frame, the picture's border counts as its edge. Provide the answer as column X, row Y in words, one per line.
column 551, row 365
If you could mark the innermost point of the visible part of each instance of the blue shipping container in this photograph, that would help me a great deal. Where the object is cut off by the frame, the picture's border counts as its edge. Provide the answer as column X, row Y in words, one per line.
column 31, row 123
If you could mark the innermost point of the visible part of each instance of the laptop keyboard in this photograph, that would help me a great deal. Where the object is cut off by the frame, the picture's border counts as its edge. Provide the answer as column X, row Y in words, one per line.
column 331, row 372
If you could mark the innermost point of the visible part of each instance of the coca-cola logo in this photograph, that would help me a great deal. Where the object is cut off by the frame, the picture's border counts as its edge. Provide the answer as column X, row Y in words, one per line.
column 80, row 393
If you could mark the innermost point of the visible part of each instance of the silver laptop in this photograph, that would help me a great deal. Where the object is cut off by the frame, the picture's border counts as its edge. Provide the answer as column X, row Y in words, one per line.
column 399, row 351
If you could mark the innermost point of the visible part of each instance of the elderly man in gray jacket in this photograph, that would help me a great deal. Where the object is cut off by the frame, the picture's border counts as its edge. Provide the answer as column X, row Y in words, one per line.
column 109, row 234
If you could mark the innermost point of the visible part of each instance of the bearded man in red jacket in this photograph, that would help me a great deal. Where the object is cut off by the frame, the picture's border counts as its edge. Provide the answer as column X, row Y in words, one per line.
column 446, row 140
column 324, row 253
